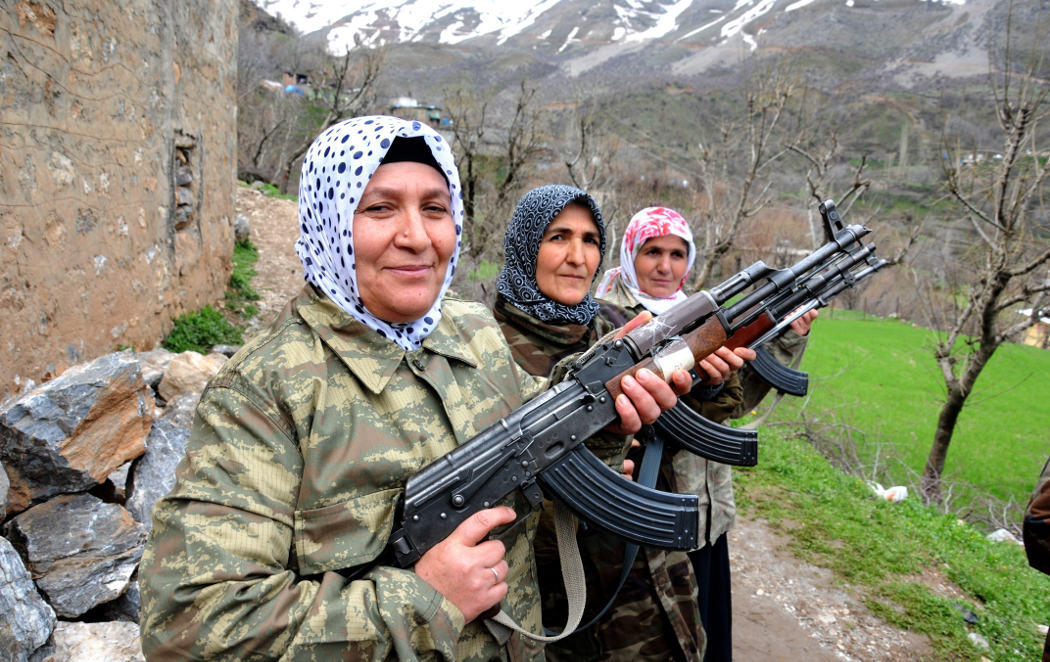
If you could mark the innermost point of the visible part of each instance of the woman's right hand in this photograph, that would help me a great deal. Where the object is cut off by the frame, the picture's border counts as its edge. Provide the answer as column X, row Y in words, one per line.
column 465, row 567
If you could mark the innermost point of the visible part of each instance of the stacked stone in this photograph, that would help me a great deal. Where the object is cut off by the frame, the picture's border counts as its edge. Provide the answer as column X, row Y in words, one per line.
column 83, row 458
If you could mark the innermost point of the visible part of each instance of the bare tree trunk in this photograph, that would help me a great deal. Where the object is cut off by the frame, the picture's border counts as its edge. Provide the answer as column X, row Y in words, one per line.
column 942, row 437
column 1000, row 203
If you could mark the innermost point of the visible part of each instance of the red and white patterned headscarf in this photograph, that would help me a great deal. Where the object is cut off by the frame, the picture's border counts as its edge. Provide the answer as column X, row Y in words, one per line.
column 647, row 224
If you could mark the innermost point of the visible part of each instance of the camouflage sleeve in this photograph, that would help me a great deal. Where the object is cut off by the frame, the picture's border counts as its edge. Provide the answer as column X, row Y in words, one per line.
column 1036, row 525
column 219, row 581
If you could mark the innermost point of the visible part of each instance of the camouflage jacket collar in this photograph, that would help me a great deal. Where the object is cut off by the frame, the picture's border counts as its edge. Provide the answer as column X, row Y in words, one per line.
column 558, row 334
column 369, row 356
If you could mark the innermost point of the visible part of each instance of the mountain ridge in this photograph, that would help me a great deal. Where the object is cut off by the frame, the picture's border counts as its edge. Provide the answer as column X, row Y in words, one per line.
column 906, row 42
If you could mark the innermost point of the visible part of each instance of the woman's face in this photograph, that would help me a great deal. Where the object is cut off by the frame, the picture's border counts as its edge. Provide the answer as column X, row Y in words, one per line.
column 660, row 265
column 404, row 236
column 568, row 256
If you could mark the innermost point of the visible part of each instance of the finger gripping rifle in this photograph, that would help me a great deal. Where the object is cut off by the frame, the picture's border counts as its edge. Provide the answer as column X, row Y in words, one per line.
column 539, row 450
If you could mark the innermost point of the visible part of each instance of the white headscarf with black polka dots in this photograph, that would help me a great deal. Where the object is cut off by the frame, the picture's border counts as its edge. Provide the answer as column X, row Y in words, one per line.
column 335, row 171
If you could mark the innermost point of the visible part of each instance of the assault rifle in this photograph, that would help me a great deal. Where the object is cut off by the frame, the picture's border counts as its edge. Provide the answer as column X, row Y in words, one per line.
column 538, row 448
column 686, row 428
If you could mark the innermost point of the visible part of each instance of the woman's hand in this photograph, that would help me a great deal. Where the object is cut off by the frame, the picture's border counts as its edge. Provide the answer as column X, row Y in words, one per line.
column 628, row 464
column 718, row 365
column 466, row 568
column 802, row 325
column 645, row 395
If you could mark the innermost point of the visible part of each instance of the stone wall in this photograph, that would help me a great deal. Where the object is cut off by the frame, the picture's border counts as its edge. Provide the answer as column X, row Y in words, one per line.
column 117, row 168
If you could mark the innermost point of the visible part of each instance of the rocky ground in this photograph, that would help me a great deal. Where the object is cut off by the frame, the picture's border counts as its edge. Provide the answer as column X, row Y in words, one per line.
column 783, row 609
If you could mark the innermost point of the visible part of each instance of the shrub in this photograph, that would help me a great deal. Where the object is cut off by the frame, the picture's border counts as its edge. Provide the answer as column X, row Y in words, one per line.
column 239, row 290
column 200, row 331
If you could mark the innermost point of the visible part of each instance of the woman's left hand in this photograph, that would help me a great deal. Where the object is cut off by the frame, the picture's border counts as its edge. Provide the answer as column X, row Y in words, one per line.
column 723, row 362
column 645, row 395
column 802, row 325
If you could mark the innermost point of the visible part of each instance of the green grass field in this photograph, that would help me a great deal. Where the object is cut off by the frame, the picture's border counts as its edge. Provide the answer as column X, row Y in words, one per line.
column 898, row 558
column 878, row 376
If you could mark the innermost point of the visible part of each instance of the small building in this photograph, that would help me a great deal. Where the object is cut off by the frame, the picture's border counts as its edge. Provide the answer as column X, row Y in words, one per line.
column 1037, row 335
column 410, row 109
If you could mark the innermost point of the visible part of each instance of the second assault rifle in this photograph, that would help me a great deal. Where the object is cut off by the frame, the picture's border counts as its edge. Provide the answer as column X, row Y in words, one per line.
column 539, row 450
column 686, row 428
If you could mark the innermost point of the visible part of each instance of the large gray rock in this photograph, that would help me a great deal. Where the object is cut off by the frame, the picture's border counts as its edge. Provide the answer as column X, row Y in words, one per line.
column 4, row 485
column 97, row 642
column 26, row 621
column 68, row 434
column 81, row 550
column 153, row 474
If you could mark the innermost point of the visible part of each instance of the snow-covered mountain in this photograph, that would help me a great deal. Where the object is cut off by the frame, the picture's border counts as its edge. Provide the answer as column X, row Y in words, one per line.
column 907, row 42
column 458, row 21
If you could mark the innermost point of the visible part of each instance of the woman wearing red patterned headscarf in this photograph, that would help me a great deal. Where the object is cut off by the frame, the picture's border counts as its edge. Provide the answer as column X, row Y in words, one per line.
column 656, row 255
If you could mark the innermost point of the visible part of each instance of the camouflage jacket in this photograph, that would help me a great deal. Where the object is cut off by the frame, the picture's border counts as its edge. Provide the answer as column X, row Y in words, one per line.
column 1036, row 526
column 711, row 482
column 299, row 449
column 659, row 597
column 538, row 347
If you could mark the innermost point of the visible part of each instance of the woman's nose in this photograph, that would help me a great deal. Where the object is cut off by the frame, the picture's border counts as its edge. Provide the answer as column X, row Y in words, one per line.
column 576, row 253
column 411, row 231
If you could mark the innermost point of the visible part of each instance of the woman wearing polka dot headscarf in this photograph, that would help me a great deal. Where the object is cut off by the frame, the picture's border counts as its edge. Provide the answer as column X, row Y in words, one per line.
column 272, row 543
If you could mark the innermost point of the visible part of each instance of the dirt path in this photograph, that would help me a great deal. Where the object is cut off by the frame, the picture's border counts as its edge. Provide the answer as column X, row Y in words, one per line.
column 783, row 609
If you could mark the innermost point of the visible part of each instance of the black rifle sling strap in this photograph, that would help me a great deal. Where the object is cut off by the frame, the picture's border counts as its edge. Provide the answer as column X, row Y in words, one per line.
column 572, row 565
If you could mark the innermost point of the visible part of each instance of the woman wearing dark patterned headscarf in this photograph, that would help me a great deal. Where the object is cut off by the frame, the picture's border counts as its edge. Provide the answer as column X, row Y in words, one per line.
column 554, row 246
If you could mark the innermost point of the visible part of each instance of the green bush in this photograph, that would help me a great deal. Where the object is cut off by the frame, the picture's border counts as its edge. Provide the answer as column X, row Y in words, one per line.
column 239, row 290
column 200, row 331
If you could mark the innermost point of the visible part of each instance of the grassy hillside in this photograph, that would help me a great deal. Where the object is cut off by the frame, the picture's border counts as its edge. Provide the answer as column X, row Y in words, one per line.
column 875, row 381
column 917, row 569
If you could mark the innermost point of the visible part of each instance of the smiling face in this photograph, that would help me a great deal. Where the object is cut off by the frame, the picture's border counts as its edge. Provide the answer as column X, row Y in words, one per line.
column 661, row 264
column 568, row 256
column 404, row 236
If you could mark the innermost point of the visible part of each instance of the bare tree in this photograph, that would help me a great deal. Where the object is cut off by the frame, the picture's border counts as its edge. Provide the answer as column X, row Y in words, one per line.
column 735, row 164
column 1003, row 199
column 590, row 155
column 467, row 113
column 346, row 88
column 493, row 157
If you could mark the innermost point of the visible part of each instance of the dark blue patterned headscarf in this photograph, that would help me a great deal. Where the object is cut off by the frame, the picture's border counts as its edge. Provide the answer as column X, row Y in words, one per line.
column 517, row 280
column 335, row 171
